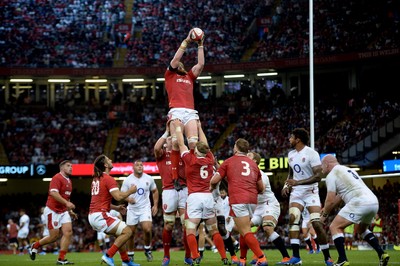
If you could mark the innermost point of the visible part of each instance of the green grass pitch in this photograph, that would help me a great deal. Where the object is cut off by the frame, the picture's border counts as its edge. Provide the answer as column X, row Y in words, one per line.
column 360, row 258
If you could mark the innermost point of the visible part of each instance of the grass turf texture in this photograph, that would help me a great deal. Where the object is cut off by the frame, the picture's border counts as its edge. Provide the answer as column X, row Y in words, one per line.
column 361, row 258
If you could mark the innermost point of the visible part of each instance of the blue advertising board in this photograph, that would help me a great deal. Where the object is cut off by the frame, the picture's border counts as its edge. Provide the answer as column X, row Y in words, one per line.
column 391, row 165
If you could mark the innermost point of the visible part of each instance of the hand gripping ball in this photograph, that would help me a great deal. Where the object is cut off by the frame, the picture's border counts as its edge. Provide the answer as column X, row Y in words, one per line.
column 196, row 34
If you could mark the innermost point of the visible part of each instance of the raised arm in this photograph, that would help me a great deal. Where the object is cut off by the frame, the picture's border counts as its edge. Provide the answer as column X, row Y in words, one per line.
column 202, row 135
column 158, row 147
column 179, row 136
column 198, row 68
column 181, row 50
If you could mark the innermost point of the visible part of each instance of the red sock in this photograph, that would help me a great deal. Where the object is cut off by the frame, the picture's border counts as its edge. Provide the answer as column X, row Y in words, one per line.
column 192, row 242
column 313, row 243
column 36, row 245
column 175, row 156
column 62, row 254
column 219, row 244
column 112, row 250
column 166, row 238
column 243, row 247
column 186, row 245
column 124, row 256
column 253, row 244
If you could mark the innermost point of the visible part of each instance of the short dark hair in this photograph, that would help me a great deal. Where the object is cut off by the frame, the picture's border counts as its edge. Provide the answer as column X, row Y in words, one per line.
column 137, row 161
column 64, row 162
column 242, row 145
column 302, row 134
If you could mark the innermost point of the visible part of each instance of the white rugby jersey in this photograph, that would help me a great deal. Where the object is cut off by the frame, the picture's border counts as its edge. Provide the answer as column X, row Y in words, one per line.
column 268, row 196
column 24, row 222
column 302, row 163
column 349, row 185
column 225, row 206
column 144, row 185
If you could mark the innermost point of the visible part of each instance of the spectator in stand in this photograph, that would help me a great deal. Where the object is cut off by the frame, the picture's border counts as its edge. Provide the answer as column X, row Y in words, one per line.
column 48, row 45
column 42, row 38
column 33, row 134
column 348, row 236
column 377, row 227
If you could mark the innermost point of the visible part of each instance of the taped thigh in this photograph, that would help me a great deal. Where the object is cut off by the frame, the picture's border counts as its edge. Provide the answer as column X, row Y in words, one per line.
column 268, row 223
column 315, row 217
column 169, row 219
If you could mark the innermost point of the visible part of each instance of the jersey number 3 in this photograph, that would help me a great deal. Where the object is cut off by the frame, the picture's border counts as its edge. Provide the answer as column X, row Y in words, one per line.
column 246, row 168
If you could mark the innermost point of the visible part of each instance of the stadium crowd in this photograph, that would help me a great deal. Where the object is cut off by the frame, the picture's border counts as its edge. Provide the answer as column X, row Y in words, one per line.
column 273, row 27
column 47, row 136
column 37, row 136
column 59, row 33
column 75, row 34
column 338, row 28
